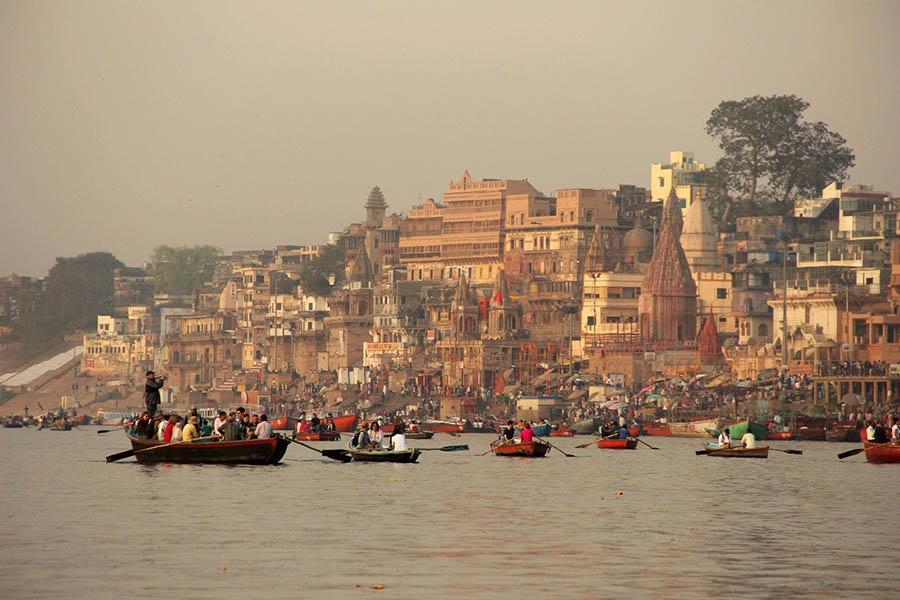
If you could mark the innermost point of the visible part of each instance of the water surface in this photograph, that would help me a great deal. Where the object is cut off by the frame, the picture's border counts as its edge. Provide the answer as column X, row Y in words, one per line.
column 644, row 523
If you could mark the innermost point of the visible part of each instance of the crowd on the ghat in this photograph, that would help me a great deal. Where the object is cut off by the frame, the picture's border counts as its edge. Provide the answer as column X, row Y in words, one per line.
column 854, row 368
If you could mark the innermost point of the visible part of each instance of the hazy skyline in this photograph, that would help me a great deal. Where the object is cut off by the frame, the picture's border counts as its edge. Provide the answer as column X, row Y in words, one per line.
column 126, row 125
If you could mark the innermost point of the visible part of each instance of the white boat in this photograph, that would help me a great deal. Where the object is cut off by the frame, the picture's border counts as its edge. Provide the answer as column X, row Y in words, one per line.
column 694, row 428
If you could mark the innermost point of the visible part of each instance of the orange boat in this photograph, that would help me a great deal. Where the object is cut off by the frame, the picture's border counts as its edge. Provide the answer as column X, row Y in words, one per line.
column 283, row 423
column 562, row 433
column 322, row 436
column 882, row 453
column 626, row 444
column 346, row 424
column 533, row 449
column 657, row 429
column 780, row 435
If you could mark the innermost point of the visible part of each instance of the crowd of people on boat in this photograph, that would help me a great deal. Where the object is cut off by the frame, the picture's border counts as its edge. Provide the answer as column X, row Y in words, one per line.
column 879, row 432
column 316, row 425
column 369, row 436
column 235, row 426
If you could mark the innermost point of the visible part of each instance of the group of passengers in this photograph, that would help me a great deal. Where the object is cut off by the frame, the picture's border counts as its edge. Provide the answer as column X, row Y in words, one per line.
column 877, row 432
column 316, row 425
column 236, row 426
column 523, row 432
column 369, row 436
column 748, row 440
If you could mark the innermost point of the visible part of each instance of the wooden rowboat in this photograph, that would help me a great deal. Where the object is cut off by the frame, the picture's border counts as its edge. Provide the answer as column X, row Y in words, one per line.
column 562, row 433
column 346, row 424
column 533, row 449
column 283, row 423
column 398, row 456
column 322, row 436
column 758, row 452
column 626, row 444
column 247, row 452
column 881, row 453
column 419, row 435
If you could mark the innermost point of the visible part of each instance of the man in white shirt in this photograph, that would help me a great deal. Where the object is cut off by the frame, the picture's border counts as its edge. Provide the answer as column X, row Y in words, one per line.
column 870, row 431
column 264, row 429
column 895, row 431
column 748, row 439
column 161, row 429
column 220, row 420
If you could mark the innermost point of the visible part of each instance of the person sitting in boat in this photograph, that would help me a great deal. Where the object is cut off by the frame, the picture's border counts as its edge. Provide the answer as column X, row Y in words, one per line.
column 315, row 424
column 398, row 436
column 304, row 427
column 880, row 433
column 329, row 424
column 623, row 432
column 870, row 431
column 190, row 431
column 143, row 428
column 264, row 428
column 376, row 436
column 360, row 438
column 748, row 439
column 161, row 425
column 895, row 431
column 170, row 427
column 231, row 429
column 194, row 413
column 509, row 432
column 176, row 431
column 527, row 433
column 725, row 438
column 220, row 420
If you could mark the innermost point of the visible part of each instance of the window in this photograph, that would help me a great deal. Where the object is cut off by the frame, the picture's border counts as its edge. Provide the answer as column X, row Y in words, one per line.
column 721, row 293
column 588, row 215
column 590, row 321
column 662, row 182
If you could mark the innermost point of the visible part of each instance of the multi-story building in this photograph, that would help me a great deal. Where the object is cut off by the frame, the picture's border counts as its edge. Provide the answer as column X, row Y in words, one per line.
column 201, row 351
column 683, row 173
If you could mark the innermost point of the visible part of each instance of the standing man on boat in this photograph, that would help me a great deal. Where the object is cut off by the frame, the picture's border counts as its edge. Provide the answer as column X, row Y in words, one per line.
column 151, row 392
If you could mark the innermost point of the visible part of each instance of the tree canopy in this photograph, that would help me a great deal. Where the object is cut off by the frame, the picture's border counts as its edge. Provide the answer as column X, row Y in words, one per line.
column 771, row 154
column 76, row 291
column 316, row 275
column 182, row 270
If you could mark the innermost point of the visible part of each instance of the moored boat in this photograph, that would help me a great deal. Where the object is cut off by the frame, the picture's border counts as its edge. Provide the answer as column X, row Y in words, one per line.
column 247, row 452
column 60, row 427
column 398, row 456
column 781, row 435
column 882, row 453
column 535, row 449
column 716, row 450
column 346, row 424
column 13, row 423
column 657, row 428
column 541, row 430
column 442, row 426
column 737, row 430
column 562, row 433
column 626, row 444
column 586, row 426
column 283, row 423
column 322, row 436
column 694, row 428
column 419, row 435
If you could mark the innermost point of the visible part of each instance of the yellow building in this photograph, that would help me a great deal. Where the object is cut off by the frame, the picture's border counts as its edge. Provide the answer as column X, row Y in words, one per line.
column 610, row 309
column 714, row 296
column 682, row 172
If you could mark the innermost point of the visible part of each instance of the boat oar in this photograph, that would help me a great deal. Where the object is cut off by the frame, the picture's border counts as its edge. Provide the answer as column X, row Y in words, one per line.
column 449, row 448
column 856, row 451
column 334, row 454
column 787, row 451
column 106, row 430
column 654, row 448
column 555, row 447
column 132, row 452
column 586, row 444
column 495, row 446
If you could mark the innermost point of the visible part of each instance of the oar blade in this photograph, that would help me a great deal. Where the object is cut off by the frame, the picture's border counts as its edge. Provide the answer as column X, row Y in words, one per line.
column 119, row 455
column 701, row 452
column 457, row 448
column 850, row 453
column 798, row 452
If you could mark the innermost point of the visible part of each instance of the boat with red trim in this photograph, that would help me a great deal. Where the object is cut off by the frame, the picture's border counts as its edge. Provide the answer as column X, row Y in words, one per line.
column 626, row 444
column 534, row 449
column 882, row 453
column 283, row 423
column 562, row 433
column 321, row 436
column 247, row 452
column 345, row 424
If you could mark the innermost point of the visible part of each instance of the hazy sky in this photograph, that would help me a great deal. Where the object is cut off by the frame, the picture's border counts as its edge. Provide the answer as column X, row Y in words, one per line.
column 125, row 125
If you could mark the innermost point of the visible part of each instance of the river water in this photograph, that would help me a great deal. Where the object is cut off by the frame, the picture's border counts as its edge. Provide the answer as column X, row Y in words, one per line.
column 644, row 523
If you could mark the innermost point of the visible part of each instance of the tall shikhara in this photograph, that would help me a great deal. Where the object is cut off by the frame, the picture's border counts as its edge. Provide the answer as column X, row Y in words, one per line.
column 668, row 301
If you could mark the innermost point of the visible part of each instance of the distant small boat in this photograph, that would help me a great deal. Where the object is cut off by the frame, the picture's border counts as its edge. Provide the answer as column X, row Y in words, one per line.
column 533, row 449
column 61, row 427
column 419, row 435
column 562, row 433
column 781, row 435
column 346, row 424
column 322, row 436
column 758, row 452
column 626, row 444
column 283, row 423
column 398, row 456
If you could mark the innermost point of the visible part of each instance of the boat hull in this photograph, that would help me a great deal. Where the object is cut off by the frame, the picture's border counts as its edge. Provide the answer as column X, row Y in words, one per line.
column 441, row 427
column 626, row 444
column 586, row 426
column 283, row 423
column 693, row 428
column 249, row 452
column 562, row 433
column 419, row 435
column 881, row 454
column 737, row 430
column 397, row 456
column 532, row 449
column 346, row 424
column 657, row 429
column 781, row 435
column 758, row 452
column 322, row 436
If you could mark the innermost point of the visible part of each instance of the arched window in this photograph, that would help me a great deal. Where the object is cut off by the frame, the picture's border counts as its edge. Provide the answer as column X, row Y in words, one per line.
column 763, row 330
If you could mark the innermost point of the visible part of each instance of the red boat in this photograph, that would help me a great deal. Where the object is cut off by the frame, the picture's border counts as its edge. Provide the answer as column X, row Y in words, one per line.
column 441, row 426
column 626, row 444
column 322, row 436
column 809, row 434
column 283, row 423
column 533, row 449
column 780, row 435
column 562, row 433
column 634, row 431
column 346, row 424
column 882, row 453
column 657, row 429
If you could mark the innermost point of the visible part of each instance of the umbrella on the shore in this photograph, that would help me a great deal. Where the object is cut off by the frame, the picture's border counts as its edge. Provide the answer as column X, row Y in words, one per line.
column 577, row 394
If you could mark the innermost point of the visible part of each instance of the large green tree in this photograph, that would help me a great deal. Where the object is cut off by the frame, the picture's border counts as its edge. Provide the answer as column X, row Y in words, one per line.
column 770, row 154
column 75, row 292
column 182, row 270
column 325, row 272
